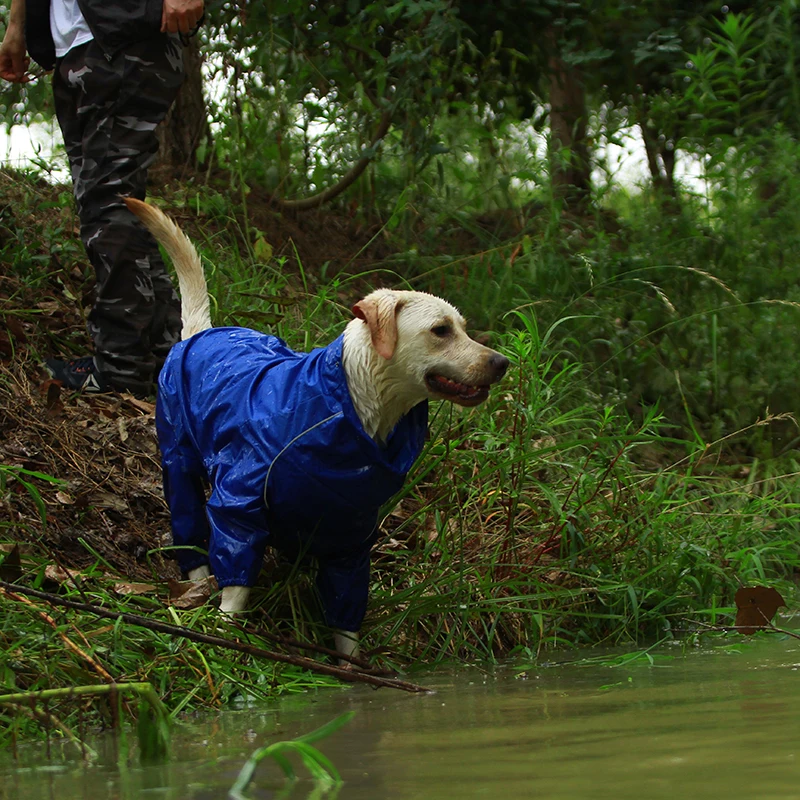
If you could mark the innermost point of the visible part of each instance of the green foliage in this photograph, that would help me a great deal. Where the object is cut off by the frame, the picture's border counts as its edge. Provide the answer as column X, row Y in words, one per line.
column 305, row 86
column 152, row 726
column 639, row 461
column 49, row 665
column 323, row 772
column 557, row 531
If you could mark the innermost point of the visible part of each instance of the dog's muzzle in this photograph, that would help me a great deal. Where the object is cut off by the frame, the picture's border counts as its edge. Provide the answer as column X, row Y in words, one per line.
column 465, row 394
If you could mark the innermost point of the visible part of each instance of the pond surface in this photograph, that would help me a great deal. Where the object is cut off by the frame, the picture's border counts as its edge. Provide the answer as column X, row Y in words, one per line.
column 717, row 722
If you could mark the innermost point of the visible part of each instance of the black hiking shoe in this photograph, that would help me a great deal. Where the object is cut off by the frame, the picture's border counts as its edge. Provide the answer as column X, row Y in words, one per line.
column 77, row 374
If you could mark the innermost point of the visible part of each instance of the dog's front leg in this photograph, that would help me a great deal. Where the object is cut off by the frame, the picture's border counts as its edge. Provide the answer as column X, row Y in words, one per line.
column 346, row 643
column 234, row 598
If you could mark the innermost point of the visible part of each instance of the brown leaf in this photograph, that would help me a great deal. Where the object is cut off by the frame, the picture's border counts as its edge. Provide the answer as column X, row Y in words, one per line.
column 108, row 500
column 53, row 404
column 65, row 499
column 17, row 329
column 192, row 594
column 755, row 608
column 134, row 588
column 11, row 567
column 146, row 408
column 60, row 575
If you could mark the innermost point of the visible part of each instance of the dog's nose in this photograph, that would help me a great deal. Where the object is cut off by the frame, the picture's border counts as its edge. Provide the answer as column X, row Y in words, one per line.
column 498, row 364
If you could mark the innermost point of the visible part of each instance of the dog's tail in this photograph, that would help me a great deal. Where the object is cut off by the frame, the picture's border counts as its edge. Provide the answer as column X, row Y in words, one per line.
column 195, row 313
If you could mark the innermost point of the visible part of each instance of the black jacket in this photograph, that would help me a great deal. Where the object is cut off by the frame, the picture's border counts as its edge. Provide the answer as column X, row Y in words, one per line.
column 113, row 23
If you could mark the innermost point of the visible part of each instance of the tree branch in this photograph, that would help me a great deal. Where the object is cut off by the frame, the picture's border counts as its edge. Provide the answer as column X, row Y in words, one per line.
column 315, row 201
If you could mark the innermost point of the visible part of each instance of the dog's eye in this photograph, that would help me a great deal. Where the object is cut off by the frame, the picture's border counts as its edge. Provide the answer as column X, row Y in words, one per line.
column 441, row 331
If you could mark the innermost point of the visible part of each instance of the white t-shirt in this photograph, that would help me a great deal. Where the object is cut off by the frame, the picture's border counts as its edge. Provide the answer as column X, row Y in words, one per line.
column 68, row 26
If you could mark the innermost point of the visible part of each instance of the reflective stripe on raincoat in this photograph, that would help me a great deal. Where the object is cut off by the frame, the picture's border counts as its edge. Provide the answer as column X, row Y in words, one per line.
column 275, row 434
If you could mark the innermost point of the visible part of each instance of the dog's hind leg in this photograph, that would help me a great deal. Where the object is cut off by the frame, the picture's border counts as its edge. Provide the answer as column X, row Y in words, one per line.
column 346, row 643
column 234, row 599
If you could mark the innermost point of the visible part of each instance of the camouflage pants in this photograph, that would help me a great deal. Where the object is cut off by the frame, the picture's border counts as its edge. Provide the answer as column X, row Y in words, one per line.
column 108, row 111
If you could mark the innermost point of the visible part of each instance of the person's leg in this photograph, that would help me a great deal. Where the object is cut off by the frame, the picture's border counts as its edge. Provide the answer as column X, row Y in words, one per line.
column 108, row 113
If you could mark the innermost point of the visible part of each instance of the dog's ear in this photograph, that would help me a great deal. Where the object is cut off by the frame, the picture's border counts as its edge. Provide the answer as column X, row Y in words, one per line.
column 379, row 312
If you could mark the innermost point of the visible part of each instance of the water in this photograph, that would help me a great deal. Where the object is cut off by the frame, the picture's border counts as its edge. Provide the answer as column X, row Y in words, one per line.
column 719, row 722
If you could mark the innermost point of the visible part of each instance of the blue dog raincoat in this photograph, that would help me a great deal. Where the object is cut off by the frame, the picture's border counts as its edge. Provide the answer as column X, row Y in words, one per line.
column 275, row 435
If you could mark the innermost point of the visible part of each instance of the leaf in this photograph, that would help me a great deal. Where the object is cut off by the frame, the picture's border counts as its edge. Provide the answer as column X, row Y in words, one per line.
column 147, row 408
column 276, row 299
column 11, row 566
column 152, row 728
column 322, row 770
column 191, row 594
column 756, row 606
column 60, row 575
column 262, row 249
column 328, row 728
column 134, row 588
column 108, row 500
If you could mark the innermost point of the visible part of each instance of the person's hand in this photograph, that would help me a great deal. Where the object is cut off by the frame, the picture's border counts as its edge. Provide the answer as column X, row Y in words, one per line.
column 181, row 16
column 14, row 59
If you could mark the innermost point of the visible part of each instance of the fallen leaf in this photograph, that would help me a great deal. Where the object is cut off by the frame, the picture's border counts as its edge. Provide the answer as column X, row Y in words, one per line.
column 17, row 329
column 108, row 500
column 122, row 426
column 134, row 588
column 192, row 594
column 755, row 608
column 11, row 566
column 52, row 389
column 142, row 405
column 65, row 499
column 61, row 575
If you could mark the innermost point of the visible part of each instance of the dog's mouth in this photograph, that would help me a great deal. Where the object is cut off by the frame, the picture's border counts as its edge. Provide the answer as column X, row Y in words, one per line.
column 461, row 393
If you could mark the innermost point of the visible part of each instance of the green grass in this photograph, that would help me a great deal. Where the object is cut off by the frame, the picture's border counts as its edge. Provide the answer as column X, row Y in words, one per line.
column 552, row 515
column 610, row 491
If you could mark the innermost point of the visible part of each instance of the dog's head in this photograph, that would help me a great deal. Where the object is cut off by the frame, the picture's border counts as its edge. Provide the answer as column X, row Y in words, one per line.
column 425, row 341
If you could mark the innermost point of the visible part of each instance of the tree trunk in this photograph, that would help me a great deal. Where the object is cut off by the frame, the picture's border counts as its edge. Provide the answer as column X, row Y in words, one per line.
column 186, row 125
column 570, row 165
column 660, row 160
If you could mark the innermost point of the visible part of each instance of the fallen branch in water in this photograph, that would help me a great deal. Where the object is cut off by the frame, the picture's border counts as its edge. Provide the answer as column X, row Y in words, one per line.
column 351, row 676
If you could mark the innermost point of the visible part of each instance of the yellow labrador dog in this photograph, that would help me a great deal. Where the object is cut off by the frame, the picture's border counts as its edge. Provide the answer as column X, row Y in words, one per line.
column 300, row 450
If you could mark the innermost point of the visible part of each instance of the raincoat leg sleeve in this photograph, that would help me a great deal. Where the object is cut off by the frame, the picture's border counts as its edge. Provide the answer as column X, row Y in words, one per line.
column 239, row 537
column 343, row 585
column 184, row 477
